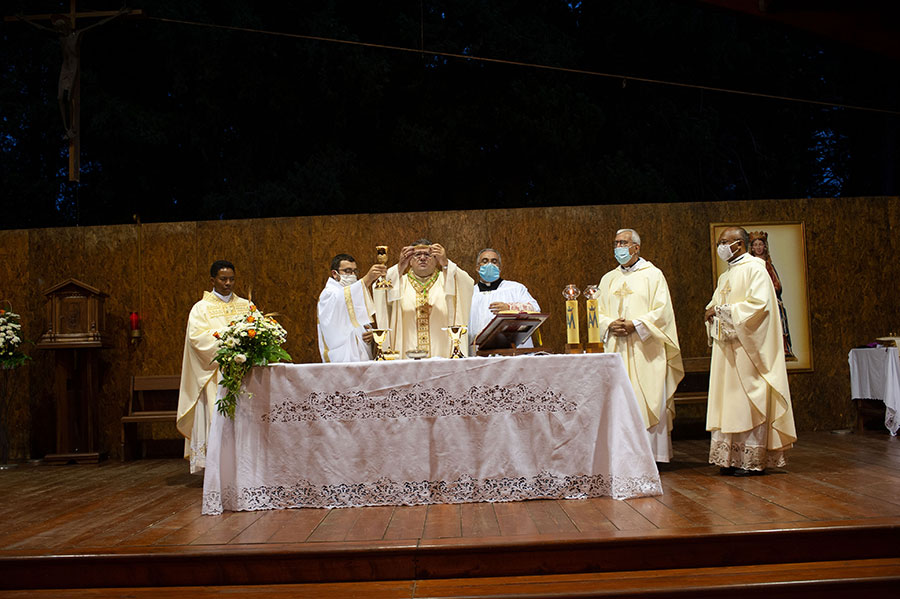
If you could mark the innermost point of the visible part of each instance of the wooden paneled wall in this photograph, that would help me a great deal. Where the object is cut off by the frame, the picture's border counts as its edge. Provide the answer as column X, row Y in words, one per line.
column 160, row 270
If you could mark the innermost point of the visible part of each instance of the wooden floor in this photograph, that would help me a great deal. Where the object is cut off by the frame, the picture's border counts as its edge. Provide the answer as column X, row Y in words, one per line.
column 834, row 509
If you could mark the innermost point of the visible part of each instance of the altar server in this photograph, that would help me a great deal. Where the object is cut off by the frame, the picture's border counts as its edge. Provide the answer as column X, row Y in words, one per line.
column 344, row 312
column 495, row 294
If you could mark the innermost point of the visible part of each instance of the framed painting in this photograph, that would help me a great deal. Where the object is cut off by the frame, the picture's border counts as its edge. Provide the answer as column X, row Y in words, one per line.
column 783, row 246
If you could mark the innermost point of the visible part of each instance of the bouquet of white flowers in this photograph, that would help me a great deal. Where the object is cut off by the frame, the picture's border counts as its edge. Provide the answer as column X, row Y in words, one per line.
column 253, row 340
column 11, row 355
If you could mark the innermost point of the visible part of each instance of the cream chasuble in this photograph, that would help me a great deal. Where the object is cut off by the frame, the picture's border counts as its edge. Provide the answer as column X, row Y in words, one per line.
column 748, row 384
column 416, row 311
column 654, row 363
column 342, row 314
column 199, row 374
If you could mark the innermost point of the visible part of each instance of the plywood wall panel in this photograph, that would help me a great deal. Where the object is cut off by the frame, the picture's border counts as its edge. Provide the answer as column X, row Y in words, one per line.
column 111, row 265
column 296, row 279
column 172, row 280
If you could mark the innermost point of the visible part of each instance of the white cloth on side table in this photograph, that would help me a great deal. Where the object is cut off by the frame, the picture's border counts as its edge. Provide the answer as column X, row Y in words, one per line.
column 875, row 374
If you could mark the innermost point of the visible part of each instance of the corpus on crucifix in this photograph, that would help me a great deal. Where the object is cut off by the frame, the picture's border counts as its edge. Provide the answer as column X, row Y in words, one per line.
column 68, row 92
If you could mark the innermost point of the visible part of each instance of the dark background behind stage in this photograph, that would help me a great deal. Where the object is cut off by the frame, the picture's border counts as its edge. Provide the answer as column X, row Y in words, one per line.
column 161, row 269
column 227, row 113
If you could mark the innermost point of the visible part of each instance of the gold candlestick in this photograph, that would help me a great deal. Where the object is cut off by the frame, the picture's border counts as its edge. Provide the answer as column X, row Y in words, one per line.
column 573, row 336
column 595, row 341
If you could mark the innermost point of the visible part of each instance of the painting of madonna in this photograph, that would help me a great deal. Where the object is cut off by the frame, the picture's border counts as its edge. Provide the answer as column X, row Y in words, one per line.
column 759, row 247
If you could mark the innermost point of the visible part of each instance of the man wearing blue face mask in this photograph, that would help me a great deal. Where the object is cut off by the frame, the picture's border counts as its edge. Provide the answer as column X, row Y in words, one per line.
column 494, row 294
column 635, row 309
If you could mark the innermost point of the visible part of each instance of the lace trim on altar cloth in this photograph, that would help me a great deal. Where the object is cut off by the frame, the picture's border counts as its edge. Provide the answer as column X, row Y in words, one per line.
column 419, row 402
column 890, row 421
column 743, row 455
column 465, row 489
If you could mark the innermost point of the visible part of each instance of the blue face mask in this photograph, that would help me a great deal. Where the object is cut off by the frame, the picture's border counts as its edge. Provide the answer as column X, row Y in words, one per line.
column 489, row 272
column 623, row 255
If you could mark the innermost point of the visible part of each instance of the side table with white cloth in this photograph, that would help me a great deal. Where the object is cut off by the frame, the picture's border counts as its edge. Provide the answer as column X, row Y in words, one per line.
column 875, row 375
column 413, row 432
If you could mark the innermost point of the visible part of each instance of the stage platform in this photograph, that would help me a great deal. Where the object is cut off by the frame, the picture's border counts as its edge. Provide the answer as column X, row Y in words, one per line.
column 828, row 525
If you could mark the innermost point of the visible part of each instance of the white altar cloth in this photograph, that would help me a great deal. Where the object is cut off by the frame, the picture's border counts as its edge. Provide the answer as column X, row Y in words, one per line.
column 431, row 431
column 875, row 374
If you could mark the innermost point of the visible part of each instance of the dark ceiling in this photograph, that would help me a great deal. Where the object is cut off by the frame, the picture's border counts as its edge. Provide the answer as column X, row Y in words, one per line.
column 871, row 25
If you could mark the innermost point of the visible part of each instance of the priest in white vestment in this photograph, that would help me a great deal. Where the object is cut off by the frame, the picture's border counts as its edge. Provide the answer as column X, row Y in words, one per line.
column 749, row 409
column 635, row 309
column 429, row 293
column 494, row 294
column 199, row 372
column 345, row 310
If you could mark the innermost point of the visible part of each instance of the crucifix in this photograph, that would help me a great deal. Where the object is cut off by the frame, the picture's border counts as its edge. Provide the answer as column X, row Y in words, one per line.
column 69, row 91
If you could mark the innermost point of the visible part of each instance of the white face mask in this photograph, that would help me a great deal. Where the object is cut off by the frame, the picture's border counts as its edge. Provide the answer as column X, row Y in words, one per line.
column 724, row 250
column 347, row 280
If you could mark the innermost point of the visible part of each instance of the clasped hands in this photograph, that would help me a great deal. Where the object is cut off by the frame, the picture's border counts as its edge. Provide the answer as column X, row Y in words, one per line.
column 621, row 327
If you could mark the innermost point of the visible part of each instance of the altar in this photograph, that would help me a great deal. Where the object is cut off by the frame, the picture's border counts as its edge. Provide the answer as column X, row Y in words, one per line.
column 414, row 432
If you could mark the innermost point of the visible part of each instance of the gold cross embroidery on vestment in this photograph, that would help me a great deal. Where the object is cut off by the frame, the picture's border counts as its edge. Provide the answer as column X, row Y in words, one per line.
column 726, row 290
column 233, row 308
column 423, row 309
column 621, row 294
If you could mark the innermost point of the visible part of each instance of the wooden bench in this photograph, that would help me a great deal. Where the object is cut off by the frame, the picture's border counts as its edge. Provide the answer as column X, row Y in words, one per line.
column 694, row 387
column 148, row 394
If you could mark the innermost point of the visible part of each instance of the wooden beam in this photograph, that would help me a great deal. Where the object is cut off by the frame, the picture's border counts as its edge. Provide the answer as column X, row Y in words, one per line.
column 93, row 14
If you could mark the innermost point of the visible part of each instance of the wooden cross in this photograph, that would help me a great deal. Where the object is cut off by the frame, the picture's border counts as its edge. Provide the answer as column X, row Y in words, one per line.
column 621, row 294
column 69, row 92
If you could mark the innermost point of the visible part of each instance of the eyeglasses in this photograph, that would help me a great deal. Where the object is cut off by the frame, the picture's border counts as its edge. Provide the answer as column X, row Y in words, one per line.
column 421, row 255
column 349, row 271
column 621, row 243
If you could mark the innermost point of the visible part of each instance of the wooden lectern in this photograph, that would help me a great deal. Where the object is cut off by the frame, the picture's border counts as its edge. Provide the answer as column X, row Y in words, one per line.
column 76, row 330
column 507, row 331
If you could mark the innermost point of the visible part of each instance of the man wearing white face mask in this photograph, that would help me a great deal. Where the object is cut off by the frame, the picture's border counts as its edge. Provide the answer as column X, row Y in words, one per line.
column 749, row 409
column 344, row 312
column 635, row 309
column 493, row 295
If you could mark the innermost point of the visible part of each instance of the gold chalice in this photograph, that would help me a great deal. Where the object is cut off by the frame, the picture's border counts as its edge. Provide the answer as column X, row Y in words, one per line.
column 456, row 332
column 378, row 336
column 381, row 257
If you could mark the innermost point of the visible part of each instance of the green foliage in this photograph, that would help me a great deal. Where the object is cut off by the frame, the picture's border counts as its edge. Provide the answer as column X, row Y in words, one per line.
column 253, row 340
